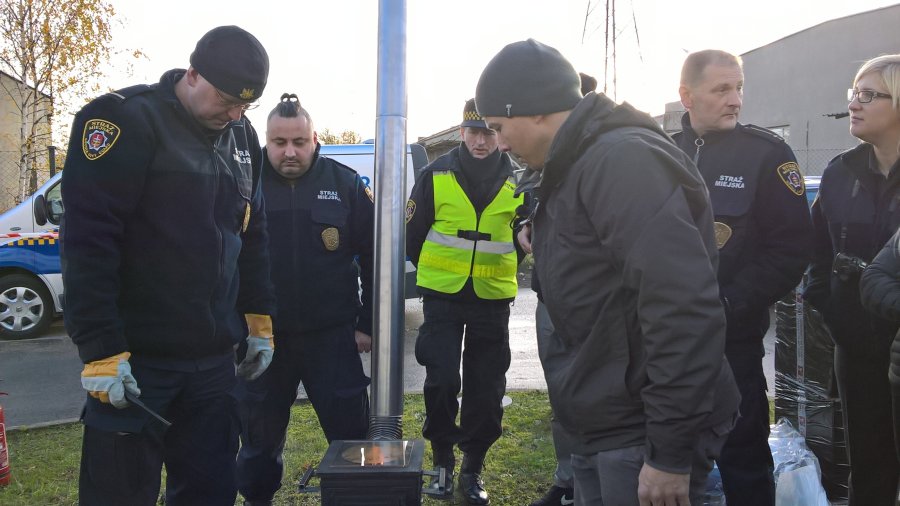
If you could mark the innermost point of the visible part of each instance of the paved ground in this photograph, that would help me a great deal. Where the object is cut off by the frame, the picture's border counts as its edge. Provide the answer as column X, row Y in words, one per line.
column 41, row 375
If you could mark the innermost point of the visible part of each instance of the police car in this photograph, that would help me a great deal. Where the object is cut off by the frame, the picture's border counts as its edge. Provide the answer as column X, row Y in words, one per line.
column 31, row 289
column 31, row 292
column 812, row 187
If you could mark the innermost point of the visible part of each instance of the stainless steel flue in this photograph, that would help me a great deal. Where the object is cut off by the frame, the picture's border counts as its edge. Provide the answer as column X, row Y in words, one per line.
column 390, row 223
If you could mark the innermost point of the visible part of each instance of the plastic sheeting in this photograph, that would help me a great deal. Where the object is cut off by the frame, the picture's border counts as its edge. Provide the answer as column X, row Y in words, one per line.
column 805, row 393
column 797, row 474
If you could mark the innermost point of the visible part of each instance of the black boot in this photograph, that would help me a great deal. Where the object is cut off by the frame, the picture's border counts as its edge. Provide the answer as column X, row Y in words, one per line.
column 556, row 496
column 472, row 487
column 470, row 481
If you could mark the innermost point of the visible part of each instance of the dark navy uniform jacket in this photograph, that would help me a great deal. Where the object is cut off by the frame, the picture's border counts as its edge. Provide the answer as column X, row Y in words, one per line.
column 856, row 212
column 318, row 224
column 763, row 228
column 164, row 241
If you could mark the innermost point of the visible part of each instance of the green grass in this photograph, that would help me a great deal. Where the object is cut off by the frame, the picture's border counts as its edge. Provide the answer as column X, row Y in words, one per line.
column 518, row 468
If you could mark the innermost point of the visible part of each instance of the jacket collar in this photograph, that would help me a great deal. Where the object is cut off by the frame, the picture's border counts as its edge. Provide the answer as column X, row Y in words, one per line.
column 451, row 160
column 596, row 114
column 710, row 137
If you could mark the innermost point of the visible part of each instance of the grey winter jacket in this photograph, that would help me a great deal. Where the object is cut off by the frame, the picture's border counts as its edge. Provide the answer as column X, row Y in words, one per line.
column 623, row 240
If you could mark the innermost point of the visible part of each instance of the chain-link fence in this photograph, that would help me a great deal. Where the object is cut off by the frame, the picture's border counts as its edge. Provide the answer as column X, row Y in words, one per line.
column 812, row 162
column 13, row 188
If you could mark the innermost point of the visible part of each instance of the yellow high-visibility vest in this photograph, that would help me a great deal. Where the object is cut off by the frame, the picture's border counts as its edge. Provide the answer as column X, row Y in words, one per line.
column 461, row 244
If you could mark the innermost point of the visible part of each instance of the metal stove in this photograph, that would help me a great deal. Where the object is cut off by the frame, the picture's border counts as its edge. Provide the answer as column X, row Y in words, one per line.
column 372, row 473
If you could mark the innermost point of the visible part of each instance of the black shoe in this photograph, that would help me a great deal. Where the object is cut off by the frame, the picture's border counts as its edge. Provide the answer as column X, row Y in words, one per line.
column 442, row 491
column 556, row 496
column 473, row 488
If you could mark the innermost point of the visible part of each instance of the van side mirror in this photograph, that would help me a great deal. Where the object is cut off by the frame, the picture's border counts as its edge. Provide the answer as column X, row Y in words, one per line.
column 52, row 204
column 40, row 210
column 55, row 211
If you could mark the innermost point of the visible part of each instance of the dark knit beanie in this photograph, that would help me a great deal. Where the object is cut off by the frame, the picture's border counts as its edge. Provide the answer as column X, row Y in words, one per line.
column 527, row 78
column 233, row 61
column 471, row 118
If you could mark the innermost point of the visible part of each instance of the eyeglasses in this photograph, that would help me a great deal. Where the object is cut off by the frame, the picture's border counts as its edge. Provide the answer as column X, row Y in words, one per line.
column 864, row 96
column 231, row 104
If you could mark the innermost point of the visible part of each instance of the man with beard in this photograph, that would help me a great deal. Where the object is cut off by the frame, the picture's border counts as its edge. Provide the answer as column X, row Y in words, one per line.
column 320, row 216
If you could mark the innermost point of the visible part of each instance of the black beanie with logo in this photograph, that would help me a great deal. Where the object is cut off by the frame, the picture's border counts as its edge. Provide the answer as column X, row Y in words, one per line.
column 233, row 61
column 527, row 78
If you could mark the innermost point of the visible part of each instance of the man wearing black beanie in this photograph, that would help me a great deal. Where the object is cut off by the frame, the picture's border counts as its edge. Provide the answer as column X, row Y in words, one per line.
column 166, row 267
column 623, row 241
column 460, row 230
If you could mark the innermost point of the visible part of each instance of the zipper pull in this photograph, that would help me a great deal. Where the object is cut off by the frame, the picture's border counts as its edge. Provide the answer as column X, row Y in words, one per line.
column 699, row 142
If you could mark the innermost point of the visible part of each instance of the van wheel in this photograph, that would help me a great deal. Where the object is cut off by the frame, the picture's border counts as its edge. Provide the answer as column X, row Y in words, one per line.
column 25, row 307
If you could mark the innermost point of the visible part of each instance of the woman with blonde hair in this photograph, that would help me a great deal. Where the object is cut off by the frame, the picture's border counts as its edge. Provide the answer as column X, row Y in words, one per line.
column 855, row 214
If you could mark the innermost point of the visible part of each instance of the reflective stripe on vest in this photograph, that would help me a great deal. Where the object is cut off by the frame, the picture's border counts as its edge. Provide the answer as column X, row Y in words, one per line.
column 462, row 245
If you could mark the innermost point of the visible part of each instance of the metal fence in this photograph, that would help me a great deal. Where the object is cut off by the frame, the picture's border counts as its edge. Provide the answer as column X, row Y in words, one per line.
column 812, row 162
column 44, row 166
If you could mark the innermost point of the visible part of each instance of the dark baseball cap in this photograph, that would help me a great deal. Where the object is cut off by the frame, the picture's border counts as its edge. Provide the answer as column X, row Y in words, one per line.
column 233, row 61
column 471, row 118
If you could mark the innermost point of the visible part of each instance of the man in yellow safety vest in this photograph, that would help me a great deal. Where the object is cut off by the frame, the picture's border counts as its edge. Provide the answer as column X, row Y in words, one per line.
column 461, row 218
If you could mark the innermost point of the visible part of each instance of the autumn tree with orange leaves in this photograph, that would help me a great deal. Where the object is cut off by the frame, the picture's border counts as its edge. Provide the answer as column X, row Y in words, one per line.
column 53, row 52
column 326, row 136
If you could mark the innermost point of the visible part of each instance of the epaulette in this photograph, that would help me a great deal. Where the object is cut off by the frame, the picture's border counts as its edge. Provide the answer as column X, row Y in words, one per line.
column 131, row 91
column 341, row 165
column 765, row 133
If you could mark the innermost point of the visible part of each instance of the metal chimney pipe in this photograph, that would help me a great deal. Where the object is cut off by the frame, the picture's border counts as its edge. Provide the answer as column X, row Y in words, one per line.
column 390, row 223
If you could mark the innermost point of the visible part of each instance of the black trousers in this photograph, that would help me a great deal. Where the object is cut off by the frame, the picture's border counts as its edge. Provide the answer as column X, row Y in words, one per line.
column 123, row 450
column 866, row 402
column 478, row 334
column 746, row 462
column 328, row 364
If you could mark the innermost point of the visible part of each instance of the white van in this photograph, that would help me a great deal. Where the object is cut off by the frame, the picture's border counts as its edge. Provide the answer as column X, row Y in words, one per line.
column 31, row 289
column 361, row 158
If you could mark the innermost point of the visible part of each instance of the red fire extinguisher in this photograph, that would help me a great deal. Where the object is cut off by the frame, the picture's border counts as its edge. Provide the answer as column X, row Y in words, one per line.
column 4, row 451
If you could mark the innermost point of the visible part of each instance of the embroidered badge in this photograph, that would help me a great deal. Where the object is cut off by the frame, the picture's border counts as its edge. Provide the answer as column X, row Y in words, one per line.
column 723, row 233
column 99, row 137
column 790, row 174
column 247, row 93
column 410, row 209
column 331, row 238
column 370, row 194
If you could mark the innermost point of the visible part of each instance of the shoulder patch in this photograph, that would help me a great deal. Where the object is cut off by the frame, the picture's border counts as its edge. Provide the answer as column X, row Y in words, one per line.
column 410, row 209
column 791, row 177
column 764, row 133
column 99, row 137
column 370, row 194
